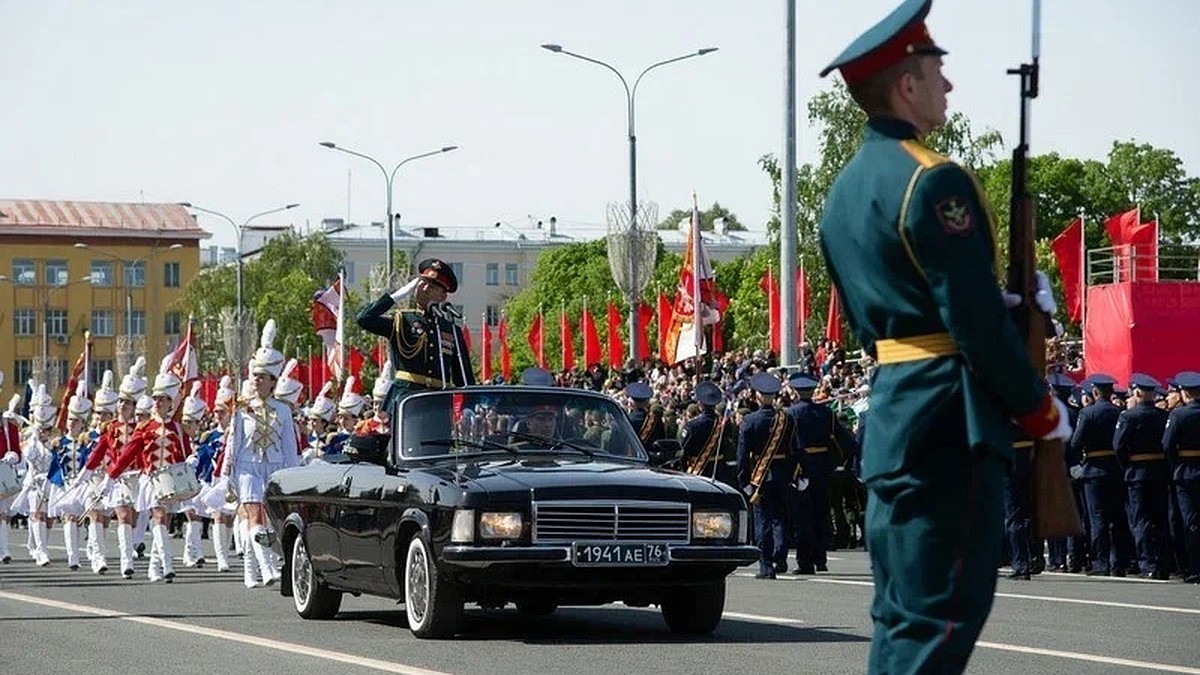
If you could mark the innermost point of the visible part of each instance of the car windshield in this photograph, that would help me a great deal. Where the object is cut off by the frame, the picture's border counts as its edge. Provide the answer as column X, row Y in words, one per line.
column 514, row 420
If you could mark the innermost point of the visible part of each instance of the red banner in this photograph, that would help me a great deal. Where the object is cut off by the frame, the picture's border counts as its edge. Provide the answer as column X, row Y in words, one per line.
column 833, row 320
column 591, row 339
column 768, row 286
column 566, row 340
column 77, row 372
column 616, row 348
column 1068, row 250
column 665, row 315
column 505, row 356
column 485, row 368
column 537, row 341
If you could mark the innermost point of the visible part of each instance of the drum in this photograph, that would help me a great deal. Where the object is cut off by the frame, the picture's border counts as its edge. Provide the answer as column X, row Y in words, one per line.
column 175, row 483
column 9, row 483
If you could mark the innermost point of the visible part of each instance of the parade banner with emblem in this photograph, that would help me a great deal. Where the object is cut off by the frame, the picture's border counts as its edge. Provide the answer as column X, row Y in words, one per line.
column 695, row 306
column 81, row 369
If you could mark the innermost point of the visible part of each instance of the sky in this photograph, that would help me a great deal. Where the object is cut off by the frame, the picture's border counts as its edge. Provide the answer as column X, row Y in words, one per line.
column 223, row 103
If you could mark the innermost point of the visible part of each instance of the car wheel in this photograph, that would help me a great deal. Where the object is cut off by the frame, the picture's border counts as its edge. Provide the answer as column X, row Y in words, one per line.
column 433, row 603
column 536, row 607
column 694, row 610
column 313, row 599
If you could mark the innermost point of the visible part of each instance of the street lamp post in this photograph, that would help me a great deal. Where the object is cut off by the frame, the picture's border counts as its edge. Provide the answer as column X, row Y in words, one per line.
column 630, row 97
column 389, row 177
column 45, row 370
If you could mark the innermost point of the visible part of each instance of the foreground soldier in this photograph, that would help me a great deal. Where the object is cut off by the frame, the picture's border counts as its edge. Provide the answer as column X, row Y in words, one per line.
column 1138, row 443
column 909, row 242
column 1181, row 441
column 766, row 440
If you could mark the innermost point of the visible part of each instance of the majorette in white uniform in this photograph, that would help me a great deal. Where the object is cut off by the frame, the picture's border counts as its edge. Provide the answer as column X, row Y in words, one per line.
column 320, row 416
column 69, row 501
column 192, row 416
column 104, row 409
column 219, row 501
column 263, row 441
column 288, row 390
column 34, row 496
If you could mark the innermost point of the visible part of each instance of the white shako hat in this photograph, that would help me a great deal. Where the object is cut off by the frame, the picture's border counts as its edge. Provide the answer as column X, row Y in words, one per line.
column 224, row 393
column 351, row 402
column 267, row 359
column 133, row 384
column 79, row 406
column 166, row 383
column 144, row 406
column 322, row 406
column 288, row 389
column 194, row 407
column 105, row 399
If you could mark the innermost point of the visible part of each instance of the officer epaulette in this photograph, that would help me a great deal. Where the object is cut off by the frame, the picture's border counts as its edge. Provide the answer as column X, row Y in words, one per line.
column 924, row 156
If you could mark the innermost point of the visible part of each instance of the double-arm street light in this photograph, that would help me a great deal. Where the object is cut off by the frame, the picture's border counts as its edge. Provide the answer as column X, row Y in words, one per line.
column 389, row 177
column 630, row 97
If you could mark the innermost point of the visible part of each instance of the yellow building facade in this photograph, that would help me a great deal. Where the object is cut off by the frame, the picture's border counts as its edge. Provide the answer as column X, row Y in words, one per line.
column 114, row 270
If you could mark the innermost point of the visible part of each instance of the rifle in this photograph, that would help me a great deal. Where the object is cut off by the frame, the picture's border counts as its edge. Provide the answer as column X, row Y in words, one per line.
column 1053, row 503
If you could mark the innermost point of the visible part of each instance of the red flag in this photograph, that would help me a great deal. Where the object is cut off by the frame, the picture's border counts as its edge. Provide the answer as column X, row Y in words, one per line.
column 485, row 370
column 591, row 339
column 1134, row 240
column 78, row 371
column 616, row 348
column 768, row 286
column 505, row 356
column 833, row 320
column 718, row 340
column 381, row 353
column 803, row 302
column 1068, row 250
column 1121, row 225
column 537, row 341
column 567, row 340
column 354, row 363
column 645, row 316
column 664, row 326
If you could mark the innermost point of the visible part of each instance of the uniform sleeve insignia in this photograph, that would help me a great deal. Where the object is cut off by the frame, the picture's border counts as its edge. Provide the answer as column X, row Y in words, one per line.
column 955, row 216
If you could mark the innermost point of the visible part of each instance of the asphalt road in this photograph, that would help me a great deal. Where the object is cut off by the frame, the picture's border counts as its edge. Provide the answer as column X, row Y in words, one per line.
column 58, row 621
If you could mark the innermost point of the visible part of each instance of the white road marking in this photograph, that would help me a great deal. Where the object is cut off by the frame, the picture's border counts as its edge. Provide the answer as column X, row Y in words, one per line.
column 278, row 645
column 1092, row 658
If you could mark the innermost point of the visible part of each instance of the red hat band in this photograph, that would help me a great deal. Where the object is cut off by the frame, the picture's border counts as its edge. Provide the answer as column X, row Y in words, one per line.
column 914, row 39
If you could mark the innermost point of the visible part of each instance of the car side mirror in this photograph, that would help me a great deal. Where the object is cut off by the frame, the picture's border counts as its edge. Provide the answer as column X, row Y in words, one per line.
column 369, row 449
column 666, row 452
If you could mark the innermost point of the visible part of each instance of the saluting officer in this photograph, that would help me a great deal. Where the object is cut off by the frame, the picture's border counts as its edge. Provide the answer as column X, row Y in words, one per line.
column 427, row 346
column 1138, row 442
column 1181, row 442
column 1095, row 463
column 766, row 441
column 820, row 441
column 701, row 436
column 646, row 423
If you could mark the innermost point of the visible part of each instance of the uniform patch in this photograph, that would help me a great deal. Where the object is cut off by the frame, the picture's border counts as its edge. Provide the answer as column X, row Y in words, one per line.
column 955, row 216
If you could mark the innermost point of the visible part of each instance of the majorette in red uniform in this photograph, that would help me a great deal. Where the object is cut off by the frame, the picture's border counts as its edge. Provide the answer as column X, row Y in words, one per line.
column 10, row 454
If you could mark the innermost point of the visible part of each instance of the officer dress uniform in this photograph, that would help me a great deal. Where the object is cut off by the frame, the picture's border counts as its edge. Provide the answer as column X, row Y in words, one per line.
column 428, row 350
column 1103, row 482
column 910, row 244
column 701, row 435
column 1138, row 443
column 649, row 427
column 766, row 462
column 1181, row 443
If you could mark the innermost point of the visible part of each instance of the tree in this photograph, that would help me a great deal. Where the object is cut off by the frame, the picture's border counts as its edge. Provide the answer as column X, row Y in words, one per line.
column 708, row 219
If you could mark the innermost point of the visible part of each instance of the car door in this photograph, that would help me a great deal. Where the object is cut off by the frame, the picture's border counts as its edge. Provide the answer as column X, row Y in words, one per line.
column 317, row 502
column 360, row 528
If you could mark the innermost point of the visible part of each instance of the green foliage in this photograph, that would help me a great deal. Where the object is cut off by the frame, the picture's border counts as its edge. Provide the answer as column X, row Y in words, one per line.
column 707, row 219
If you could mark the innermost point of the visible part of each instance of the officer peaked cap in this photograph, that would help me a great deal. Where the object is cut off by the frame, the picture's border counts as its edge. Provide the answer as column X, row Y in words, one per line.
column 439, row 273
column 901, row 34
column 1142, row 381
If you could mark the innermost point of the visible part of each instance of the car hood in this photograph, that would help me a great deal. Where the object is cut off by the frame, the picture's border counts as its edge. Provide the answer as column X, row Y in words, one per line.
column 582, row 478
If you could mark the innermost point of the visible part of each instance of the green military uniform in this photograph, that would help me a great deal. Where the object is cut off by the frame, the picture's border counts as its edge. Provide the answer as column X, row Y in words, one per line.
column 911, row 246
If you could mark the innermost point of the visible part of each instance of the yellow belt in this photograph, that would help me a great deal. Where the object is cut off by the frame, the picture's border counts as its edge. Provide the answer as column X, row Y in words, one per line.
column 1093, row 454
column 915, row 348
column 815, row 449
column 1147, row 457
column 1189, row 453
column 417, row 378
column 1022, row 445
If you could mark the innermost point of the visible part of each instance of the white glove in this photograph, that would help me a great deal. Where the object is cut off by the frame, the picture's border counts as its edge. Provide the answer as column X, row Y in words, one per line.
column 10, row 458
column 749, row 490
column 801, row 484
column 1076, row 472
column 405, row 290
column 192, row 461
column 1044, row 298
column 1063, row 431
column 1010, row 299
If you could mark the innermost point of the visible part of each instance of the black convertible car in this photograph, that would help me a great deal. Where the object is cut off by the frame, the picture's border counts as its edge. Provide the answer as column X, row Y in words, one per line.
column 539, row 497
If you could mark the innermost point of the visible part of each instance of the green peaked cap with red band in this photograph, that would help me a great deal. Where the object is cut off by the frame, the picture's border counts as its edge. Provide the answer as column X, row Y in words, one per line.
column 900, row 35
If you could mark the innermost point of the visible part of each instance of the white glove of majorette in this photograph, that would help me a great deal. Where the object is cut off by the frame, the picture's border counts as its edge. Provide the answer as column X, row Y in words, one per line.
column 10, row 457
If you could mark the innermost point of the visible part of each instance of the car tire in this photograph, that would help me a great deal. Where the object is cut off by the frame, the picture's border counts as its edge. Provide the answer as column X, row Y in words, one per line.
column 433, row 603
column 536, row 607
column 694, row 610
column 312, row 598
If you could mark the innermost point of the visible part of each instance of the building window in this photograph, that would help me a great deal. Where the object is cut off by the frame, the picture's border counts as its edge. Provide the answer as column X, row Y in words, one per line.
column 348, row 268
column 510, row 274
column 102, row 273
column 135, row 323
column 493, row 315
column 24, row 272
column 172, row 324
column 492, row 274
column 24, row 323
column 102, row 322
column 171, row 275
column 23, row 370
column 457, row 268
column 57, row 273
column 96, row 373
column 56, row 322
column 135, row 274
column 57, row 372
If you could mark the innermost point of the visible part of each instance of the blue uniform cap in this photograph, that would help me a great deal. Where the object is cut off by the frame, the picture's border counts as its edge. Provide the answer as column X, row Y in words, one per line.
column 537, row 377
column 639, row 391
column 1101, row 379
column 1188, row 379
column 1142, row 381
column 707, row 393
column 801, row 382
column 1060, row 381
column 765, row 383
column 900, row 35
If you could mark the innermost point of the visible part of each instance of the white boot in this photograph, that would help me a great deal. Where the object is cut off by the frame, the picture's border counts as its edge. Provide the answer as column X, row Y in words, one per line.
column 139, row 530
column 162, row 541
column 191, row 538
column 265, row 555
column 39, row 532
column 125, row 547
column 4, row 555
column 239, row 535
column 71, row 540
column 249, row 561
column 154, row 570
column 220, row 544
column 98, row 547
column 189, row 557
column 30, row 544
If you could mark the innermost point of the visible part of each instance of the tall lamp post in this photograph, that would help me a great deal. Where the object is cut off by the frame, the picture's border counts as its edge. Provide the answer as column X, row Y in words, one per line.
column 630, row 97
column 389, row 177
column 44, row 377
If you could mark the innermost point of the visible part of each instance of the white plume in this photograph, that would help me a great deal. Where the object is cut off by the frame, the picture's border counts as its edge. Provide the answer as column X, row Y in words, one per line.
column 326, row 389
column 268, row 334
column 81, row 389
column 226, row 382
column 195, row 390
column 165, row 366
column 139, row 367
column 1, row 378
column 287, row 369
column 349, row 388
column 14, row 402
column 107, row 380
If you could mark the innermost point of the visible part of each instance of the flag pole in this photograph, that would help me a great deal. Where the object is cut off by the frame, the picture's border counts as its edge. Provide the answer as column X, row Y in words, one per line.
column 1157, row 236
column 1083, row 279
column 341, row 322
column 697, row 270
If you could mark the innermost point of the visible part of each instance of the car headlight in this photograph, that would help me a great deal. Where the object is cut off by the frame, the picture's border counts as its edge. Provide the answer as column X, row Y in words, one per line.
column 462, row 530
column 712, row 525
column 500, row 525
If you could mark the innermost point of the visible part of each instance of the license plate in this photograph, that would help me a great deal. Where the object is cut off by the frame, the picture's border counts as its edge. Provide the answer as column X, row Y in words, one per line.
column 618, row 555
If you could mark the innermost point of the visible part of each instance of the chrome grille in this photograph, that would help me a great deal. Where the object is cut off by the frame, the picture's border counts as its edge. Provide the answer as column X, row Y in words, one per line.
column 562, row 521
